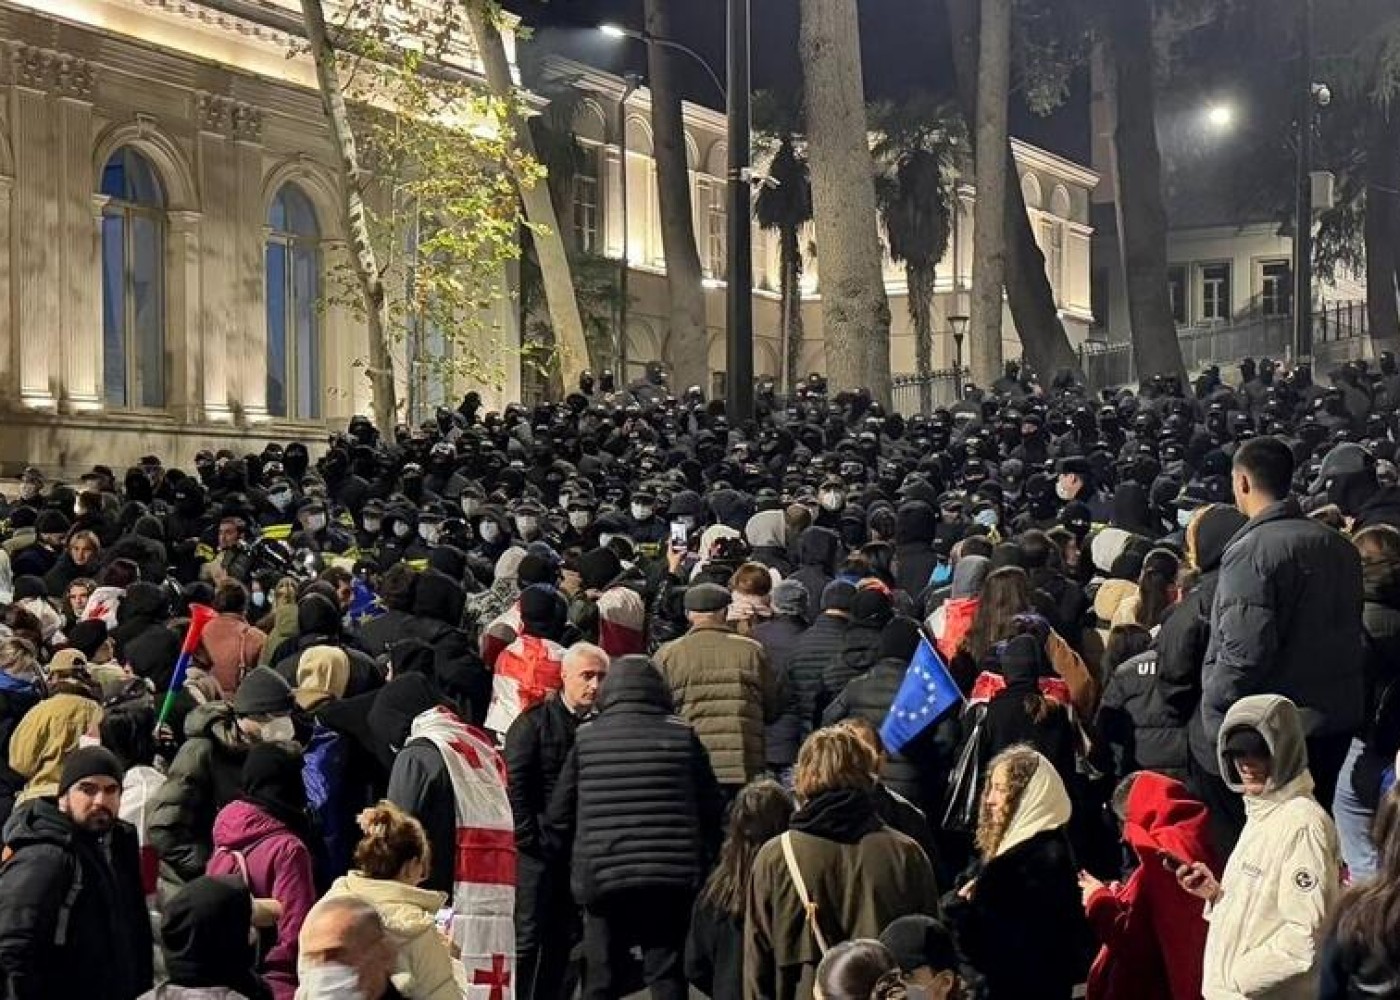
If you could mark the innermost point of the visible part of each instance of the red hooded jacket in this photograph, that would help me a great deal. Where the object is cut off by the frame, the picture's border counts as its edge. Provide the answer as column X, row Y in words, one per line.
column 1152, row 932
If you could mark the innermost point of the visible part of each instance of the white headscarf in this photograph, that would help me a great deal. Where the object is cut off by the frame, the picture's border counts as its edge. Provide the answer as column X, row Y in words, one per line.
column 1044, row 806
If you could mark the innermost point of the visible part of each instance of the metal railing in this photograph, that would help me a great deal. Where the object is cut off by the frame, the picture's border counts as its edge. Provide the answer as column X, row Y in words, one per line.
column 913, row 394
column 1339, row 335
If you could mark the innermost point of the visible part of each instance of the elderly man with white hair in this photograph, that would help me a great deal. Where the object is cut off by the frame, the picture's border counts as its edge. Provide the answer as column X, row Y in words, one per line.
column 537, row 744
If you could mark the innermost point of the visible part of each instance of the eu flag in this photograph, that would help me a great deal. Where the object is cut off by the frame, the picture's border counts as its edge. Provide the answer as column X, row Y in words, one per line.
column 925, row 696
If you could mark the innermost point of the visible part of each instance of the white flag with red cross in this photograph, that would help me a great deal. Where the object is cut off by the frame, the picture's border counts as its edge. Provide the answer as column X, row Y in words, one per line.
column 483, row 895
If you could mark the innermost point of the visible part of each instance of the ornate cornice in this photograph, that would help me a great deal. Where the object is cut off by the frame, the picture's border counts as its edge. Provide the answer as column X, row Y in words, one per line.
column 44, row 69
column 225, row 116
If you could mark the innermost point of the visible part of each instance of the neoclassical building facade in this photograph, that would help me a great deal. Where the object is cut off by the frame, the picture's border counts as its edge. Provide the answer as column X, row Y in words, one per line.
column 171, row 221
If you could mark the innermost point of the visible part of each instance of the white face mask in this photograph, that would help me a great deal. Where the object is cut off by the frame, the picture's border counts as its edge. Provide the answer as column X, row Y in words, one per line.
column 259, row 598
column 429, row 533
column 1063, row 490
column 527, row 526
column 832, row 500
column 281, row 499
column 315, row 522
column 641, row 512
column 471, row 506
column 490, row 531
column 564, row 499
column 329, row 981
column 604, row 540
column 1183, row 517
column 579, row 519
column 372, row 525
column 986, row 518
column 401, row 529
column 278, row 730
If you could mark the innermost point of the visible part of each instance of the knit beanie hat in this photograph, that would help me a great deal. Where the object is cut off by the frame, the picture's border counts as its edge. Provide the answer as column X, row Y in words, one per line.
column 535, row 569
column 900, row 639
column 790, row 597
column 51, row 522
column 542, row 611
column 598, row 568
column 89, row 762
column 27, row 587
column 263, row 692
column 871, row 607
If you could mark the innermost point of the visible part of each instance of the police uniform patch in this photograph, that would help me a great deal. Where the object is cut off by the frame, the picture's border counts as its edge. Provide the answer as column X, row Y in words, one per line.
column 1305, row 880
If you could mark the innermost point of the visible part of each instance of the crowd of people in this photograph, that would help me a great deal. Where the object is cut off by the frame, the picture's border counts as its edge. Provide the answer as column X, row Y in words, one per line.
column 599, row 695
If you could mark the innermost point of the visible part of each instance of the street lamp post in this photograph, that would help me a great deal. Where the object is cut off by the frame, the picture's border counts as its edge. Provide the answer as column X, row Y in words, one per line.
column 624, row 296
column 739, row 291
column 1302, row 213
column 959, row 326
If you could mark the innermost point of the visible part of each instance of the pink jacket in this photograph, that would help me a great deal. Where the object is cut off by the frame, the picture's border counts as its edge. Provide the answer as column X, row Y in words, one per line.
column 275, row 863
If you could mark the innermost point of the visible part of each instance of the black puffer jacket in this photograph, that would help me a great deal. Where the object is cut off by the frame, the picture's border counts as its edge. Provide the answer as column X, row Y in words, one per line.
column 817, row 549
column 1380, row 619
column 537, row 745
column 779, row 637
column 637, row 796
column 1283, row 623
column 57, row 873
column 915, row 526
column 819, row 646
column 1143, row 731
column 319, row 624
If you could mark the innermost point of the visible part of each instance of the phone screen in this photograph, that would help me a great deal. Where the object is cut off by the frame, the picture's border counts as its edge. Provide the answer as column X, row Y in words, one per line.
column 680, row 535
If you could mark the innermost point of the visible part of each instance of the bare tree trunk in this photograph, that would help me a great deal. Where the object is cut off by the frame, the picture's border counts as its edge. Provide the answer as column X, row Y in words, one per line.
column 1382, row 227
column 855, row 309
column 921, row 287
column 555, row 275
column 989, row 211
column 380, row 370
column 791, row 294
column 1137, row 190
column 1044, row 344
column 687, row 343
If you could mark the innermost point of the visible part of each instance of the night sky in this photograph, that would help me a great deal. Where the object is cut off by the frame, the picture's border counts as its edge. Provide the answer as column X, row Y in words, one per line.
column 904, row 49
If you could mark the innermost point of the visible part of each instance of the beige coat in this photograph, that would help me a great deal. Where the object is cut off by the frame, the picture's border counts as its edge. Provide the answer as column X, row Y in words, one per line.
column 426, row 969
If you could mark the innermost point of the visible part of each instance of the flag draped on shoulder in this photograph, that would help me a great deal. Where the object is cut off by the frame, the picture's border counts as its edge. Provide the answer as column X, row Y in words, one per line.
column 483, row 891
column 927, row 693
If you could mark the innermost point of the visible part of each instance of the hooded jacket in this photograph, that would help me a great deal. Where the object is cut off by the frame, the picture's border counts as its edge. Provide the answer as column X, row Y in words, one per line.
column 1135, row 719
column 915, row 525
column 204, row 777
column 46, row 735
column 1027, row 893
column 1286, row 584
column 637, row 795
column 1151, row 932
column 817, row 549
column 1010, row 719
column 100, row 948
column 252, row 844
column 860, row 874
column 953, row 619
column 766, row 533
column 17, row 697
column 425, row 969
column 1284, row 876
column 204, row 937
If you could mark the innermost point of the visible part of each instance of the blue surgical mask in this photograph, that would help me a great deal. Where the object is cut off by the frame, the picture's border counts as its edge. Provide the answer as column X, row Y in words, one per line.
column 942, row 574
column 1183, row 517
column 986, row 518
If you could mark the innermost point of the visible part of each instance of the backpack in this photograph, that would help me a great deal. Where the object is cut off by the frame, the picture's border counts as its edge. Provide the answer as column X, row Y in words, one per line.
column 70, row 898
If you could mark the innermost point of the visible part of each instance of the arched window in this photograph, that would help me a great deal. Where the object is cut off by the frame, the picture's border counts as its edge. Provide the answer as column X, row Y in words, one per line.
column 133, row 283
column 293, row 262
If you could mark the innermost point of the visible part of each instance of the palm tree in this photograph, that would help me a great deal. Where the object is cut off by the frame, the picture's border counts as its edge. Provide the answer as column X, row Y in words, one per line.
column 785, row 209
column 914, row 156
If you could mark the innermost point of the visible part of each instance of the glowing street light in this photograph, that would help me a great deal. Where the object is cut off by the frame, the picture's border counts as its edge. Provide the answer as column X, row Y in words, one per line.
column 1220, row 116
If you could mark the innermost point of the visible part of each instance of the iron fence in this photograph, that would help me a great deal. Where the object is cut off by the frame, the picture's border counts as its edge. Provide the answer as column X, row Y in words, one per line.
column 914, row 394
column 1339, row 335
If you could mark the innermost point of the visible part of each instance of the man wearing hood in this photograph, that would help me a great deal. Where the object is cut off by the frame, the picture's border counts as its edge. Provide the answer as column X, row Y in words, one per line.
column 766, row 533
column 916, row 524
column 1268, row 911
column 204, row 937
column 73, row 920
column 817, row 549
column 1151, row 934
column 1348, row 478
column 638, row 801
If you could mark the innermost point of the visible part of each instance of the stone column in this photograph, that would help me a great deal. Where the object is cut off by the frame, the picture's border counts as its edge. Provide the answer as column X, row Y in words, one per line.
column 7, row 301
column 217, row 329
column 184, row 385
column 35, row 219
column 79, row 246
column 249, row 278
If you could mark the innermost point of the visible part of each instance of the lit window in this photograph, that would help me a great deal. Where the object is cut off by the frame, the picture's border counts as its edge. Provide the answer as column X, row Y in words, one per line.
column 586, row 201
column 133, row 283
column 716, row 231
column 293, row 263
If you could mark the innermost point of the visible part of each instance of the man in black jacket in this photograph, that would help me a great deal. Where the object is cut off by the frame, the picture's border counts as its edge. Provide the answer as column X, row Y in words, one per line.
column 1348, row 478
column 819, row 645
column 537, row 744
column 73, row 920
column 1286, row 620
column 640, row 803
